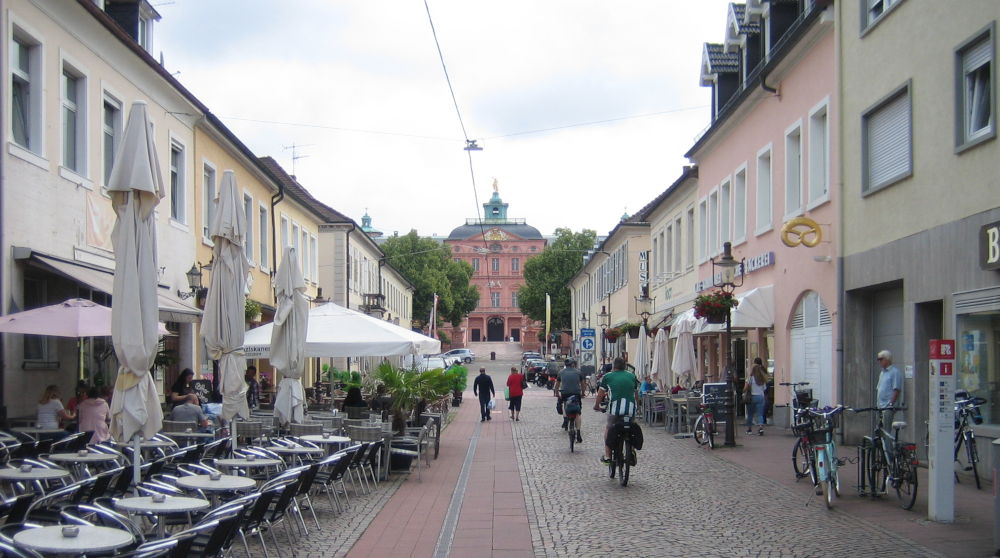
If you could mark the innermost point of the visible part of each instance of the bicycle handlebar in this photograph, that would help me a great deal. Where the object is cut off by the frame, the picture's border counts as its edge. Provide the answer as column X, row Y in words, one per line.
column 971, row 402
column 793, row 384
column 866, row 409
column 826, row 412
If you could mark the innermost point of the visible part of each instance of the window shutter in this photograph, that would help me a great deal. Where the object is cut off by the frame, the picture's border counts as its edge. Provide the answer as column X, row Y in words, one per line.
column 889, row 141
column 978, row 55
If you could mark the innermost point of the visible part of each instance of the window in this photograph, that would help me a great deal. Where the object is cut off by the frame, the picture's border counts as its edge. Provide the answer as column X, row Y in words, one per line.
column 495, row 264
column 690, row 238
column 26, row 91
column 764, row 214
column 667, row 245
column 793, row 171
column 263, row 228
column 513, row 299
column 875, row 9
column 886, row 142
column 819, row 156
column 702, row 231
column 248, row 247
column 678, row 260
column 284, row 233
column 304, row 255
column 314, row 257
column 714, row 246
column 177, row 182
column 475, row 265
column 74, row 105
column 209, row 189
column 724, row 203
column 111, row 133
column 495, row 299
column 975, row 97
column 515, row 265
column 36, row 347
column 740, row 205
column 295, row 243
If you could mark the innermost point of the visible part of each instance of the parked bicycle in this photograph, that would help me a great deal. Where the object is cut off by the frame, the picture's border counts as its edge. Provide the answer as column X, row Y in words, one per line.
column 799, row 399
column 967, row 408
column 704, row 425
column 825, row 462
column 802, row 452
column 886, row 462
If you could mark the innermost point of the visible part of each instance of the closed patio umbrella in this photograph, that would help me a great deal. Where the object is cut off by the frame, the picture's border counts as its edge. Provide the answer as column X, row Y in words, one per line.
column 660, row 369
column 223, row 321
column 136, row 187
column 642, row 355
column 683, row 362
column 288, row 338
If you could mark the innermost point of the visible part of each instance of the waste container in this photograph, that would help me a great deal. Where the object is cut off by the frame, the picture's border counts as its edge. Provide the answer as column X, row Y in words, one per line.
column 493, row 355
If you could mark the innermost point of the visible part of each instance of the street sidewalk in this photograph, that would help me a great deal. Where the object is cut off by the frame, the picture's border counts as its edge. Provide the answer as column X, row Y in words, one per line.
column 970, row 535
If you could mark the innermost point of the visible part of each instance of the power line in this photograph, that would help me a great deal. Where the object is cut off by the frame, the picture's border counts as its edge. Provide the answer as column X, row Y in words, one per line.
column 595, row 122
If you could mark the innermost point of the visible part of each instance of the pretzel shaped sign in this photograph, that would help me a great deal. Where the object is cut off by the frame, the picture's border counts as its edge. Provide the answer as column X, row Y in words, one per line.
column 801, row 230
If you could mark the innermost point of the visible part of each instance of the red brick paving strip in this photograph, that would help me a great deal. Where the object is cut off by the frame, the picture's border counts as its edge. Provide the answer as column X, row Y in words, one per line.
column 493, row 519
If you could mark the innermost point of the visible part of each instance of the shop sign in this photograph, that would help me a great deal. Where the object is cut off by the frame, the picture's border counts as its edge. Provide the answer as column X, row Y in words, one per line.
column 989, row 246
column 644, row 270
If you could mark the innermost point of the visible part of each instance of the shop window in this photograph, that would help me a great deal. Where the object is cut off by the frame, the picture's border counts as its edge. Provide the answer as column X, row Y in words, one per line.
column 978, row 367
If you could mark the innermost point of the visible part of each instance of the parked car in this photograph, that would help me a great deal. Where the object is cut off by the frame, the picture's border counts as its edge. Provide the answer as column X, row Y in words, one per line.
column 526, row 355
column 465, row 355
column 531, row 367
column 425, row 363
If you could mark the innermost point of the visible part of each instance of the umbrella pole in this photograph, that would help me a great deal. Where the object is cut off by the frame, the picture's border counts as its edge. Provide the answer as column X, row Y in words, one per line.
column 136, row 463
column 232, row 433
column 79, row 347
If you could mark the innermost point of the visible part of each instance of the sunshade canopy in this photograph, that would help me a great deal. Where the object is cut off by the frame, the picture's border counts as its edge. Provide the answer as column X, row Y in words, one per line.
column 335, row 331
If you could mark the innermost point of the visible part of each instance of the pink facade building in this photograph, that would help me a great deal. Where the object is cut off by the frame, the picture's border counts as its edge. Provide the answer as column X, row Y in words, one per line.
column 497, row 248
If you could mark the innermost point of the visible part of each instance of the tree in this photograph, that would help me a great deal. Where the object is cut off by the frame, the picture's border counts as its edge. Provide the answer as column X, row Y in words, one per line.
column 549, row 272
column 429, row 266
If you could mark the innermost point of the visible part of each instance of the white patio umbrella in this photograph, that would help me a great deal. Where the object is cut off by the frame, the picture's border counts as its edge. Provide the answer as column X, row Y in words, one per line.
column 642, row 355
column 288, row 338
column 223, row 321
column 660, row 369
column 683, row 362
column 136, row 187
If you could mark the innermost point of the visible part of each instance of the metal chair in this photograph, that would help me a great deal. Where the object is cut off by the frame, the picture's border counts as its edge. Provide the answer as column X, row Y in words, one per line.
column 414, row 454
column 8, row 550
column 218, row 542
column 304, row 429
column 248, row 431
column 179, row 425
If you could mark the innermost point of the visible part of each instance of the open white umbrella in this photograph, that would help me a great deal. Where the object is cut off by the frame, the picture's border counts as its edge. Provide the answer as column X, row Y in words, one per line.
column 223, row 321
column 288, row 338
column 136, row 187
column 660, row 368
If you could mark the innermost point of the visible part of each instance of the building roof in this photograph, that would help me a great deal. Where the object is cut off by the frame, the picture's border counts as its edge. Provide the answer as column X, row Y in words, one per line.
column 747, row 25
column 520, row 230
column 296, row 191
column 720, row 61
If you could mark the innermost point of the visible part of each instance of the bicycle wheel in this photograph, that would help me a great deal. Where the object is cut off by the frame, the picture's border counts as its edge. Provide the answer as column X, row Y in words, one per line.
column 700, row 432
column 905, row 479
column 625, row 464
column 878, row 470
column 710, row 427
column 801, row 459
column 973, row 455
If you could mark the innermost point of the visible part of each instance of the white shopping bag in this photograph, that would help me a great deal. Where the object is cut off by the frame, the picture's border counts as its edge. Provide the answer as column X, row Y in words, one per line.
column 492, row 404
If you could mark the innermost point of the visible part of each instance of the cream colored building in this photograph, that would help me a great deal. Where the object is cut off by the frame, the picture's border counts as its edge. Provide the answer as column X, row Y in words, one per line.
column 921, row 197
column 71, row 73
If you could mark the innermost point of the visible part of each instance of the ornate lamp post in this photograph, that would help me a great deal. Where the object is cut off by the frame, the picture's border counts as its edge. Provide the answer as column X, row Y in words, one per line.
column 644, row 307
column 726, row 280
column 604, row 320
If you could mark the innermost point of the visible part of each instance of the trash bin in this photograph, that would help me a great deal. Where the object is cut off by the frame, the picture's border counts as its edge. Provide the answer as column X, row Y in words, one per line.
column 493, row 355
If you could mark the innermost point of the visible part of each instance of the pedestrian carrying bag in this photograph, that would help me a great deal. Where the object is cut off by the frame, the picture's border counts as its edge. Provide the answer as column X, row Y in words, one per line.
column 492, row 404
column 506, row 394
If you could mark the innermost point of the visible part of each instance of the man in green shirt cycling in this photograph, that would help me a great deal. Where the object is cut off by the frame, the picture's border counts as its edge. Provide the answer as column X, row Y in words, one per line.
column 621, row 388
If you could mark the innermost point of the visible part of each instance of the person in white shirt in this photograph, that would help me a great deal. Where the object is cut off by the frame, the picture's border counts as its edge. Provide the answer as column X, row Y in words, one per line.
column 51, row 410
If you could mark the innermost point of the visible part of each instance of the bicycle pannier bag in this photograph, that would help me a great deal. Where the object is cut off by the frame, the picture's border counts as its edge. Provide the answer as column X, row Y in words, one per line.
column 573, row 406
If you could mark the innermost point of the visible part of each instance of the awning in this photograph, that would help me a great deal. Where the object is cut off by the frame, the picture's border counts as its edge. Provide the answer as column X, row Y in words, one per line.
column 755, row 309
column 172, row 309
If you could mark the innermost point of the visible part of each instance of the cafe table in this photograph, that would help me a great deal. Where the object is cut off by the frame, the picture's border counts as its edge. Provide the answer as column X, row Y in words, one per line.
column 244, row 463
column 170, row 505
column 91, row 539
column 295, row 452
column 332, row 442
column 193, row 437
column 79, row 461
column 226, row 483
column 35, row 475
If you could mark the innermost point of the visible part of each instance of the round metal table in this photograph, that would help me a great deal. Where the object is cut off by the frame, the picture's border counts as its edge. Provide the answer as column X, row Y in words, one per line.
column 228, row 483
column 170, row 505
column 91, row 539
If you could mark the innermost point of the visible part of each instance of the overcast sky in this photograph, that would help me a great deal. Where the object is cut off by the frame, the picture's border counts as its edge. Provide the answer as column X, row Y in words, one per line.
column 359, row 86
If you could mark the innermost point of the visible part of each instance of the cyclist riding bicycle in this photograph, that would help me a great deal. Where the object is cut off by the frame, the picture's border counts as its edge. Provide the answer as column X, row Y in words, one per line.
column 569, row 383
column 621, row 388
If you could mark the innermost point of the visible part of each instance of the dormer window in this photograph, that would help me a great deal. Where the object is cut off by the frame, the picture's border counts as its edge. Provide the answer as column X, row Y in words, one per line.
column 136, row 17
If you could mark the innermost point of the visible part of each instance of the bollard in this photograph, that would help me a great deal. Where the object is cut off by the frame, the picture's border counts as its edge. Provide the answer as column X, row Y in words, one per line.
column 493, row 355
column 995, row 459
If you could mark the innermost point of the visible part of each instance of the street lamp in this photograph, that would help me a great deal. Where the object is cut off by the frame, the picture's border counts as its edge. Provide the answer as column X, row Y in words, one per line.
column 584, row 321
column 644, row 306
column 603, row 320
column 194, row 283
column 727, row 282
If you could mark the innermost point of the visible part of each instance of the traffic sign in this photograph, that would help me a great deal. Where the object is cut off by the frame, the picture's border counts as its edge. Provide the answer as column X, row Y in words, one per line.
column 587, row 332
column 587, row 344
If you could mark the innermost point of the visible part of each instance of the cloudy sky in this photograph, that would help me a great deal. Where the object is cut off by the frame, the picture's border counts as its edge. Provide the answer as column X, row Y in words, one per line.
column 584, row 108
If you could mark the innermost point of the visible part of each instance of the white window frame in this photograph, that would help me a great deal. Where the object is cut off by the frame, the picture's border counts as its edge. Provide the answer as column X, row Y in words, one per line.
column 284, row 234
column 115, row 132
column 314, row 257
column 901, row 94
column 209, row 196
column 819, row 154
column 870, row 19
column 514, row 302
column 515, row 265
column 703, row 230
column 475, row 265
column 75, row 109
column 740, row 205
column 764, row 214
column 667, row 246
column 714, row 246
column 678, row 264
column 725, row 210
column 495, row 265
column 264, row 220
column 793, row 170
column 689, row 261
column 495, row 300
column 178, row 187
column 248, row 216
column 294, row 234
column 971, row 55
column 33, row 150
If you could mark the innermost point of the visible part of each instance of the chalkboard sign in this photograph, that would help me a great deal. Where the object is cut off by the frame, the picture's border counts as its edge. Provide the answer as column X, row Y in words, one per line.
column 203, row 389
column 713, row 394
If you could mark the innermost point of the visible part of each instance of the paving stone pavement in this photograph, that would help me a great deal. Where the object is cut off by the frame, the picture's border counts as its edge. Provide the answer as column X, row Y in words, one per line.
column 681, row 501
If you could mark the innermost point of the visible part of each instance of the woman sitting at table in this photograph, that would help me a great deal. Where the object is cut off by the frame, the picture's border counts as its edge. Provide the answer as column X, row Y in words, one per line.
column 51, row 410
column 181, row 392
column 355, row 401
column 94, row 415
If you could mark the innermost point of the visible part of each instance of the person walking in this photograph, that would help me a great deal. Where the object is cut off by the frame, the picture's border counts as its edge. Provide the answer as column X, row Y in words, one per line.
column 753, row 393
column 483, row 387
column 515, row 387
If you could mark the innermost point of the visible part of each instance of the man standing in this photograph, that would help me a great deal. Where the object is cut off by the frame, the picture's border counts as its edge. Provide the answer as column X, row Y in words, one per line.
column 569, row 382
column 889, row 392
column 620, row 387
column 483, row 387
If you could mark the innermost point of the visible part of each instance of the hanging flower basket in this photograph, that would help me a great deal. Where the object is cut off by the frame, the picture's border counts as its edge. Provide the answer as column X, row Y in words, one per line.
column 631, row 329
column 714, row 306
column 612, row 334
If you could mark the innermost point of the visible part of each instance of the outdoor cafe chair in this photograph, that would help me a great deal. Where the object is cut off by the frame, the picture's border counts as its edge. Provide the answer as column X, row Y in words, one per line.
column 357, row 468
column 253, row 520
column 179, row 425
column 331, row 476
column 248, row 431
column 278, row 510
column 8, row 550
column 46, row 509
column 185, row 539
column 414, row 454
column 151, row 549
column 217, row 543
column 15, row 509
column 371, row 460
column 303, row 429
column 306, row 479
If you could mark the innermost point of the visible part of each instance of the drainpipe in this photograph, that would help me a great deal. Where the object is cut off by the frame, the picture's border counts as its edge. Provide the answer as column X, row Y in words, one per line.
column 766, row 87
column 3, row 295
column 841, row 328
column 275, row 200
